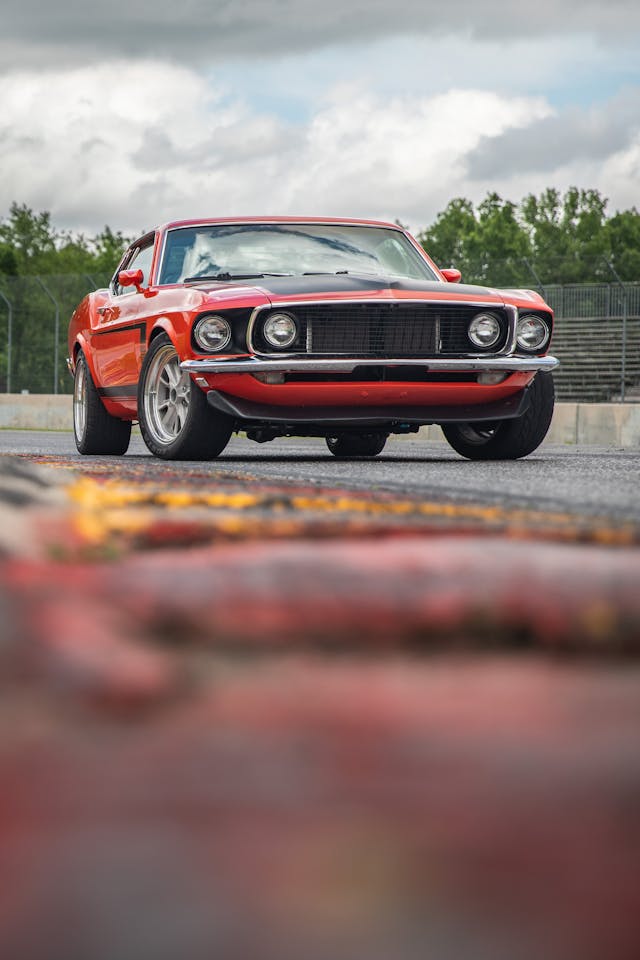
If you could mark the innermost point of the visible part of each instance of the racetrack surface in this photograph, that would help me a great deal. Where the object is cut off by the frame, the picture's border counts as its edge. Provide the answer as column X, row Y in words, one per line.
column 595, row 482
column 279, row 706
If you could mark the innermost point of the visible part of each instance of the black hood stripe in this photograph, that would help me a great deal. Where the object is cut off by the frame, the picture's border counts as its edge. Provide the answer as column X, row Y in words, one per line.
column 298, row 286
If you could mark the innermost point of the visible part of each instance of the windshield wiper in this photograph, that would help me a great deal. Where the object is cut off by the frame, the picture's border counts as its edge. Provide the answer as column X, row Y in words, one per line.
column 234, row 276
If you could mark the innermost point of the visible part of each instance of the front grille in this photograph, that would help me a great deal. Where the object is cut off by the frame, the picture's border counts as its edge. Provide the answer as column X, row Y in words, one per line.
column 390, row 329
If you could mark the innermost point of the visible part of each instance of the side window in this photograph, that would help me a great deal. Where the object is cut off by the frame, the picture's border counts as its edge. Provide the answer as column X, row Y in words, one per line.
column 140, row 259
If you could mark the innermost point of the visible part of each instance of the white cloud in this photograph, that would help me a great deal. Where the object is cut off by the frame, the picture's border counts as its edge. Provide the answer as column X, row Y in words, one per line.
column 118, row 143
column 131, row 146
column 401, row 157
column 575, row 135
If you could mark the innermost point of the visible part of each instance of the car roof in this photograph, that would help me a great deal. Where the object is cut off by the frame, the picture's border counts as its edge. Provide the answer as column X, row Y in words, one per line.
column 209, row 221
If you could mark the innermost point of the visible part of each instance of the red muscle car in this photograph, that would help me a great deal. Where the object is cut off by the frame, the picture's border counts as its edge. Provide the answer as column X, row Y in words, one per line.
column 343, row 329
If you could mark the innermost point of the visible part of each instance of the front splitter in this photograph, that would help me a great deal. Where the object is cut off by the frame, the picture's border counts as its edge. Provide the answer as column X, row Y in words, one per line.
column 248, row 411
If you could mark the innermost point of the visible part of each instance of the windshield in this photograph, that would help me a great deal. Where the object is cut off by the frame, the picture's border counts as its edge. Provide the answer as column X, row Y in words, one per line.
column 231, row 251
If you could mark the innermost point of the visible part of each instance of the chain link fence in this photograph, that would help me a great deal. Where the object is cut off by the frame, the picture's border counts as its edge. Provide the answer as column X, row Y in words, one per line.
column 597, row 335
column 34, row 317
column 597, row 340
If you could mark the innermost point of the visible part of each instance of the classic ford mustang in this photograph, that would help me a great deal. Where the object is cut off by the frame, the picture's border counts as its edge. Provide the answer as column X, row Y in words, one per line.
column 342, row 329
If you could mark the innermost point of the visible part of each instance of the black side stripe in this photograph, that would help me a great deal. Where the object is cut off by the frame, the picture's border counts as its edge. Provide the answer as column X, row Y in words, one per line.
column 141, row 327
column 125, row 391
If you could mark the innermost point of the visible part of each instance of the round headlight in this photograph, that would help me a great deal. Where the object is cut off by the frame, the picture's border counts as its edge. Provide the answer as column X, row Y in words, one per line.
column 212, row 333
column 484, row 330
column 532, row 332
column 280, row 330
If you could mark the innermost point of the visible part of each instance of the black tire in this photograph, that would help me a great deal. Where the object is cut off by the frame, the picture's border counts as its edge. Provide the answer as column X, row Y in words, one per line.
column 357, row 444
column 176, row 421
column 95, row 430
column 507, row 439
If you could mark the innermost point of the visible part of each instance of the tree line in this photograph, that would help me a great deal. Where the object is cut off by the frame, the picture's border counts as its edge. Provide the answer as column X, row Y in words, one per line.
column 558, row 238
column 547, row 239
column 30, row 245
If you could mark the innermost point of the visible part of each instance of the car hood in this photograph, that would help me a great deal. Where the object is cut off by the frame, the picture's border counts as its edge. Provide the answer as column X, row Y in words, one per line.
column 335, row 286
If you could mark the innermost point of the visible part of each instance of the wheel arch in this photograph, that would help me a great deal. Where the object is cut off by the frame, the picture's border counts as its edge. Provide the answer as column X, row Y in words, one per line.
column 81, row 343
column 165, row 325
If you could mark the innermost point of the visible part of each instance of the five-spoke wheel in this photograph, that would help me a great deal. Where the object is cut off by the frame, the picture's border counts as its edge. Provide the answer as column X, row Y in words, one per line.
column 175, row 420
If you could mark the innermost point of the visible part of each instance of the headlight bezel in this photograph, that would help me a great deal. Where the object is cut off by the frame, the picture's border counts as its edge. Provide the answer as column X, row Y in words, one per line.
column 488, row 318
column 208, row 347
column 544, row 326
column 282, row 316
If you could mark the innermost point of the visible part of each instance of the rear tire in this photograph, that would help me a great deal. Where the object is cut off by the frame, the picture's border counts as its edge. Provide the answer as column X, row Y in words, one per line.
column 176, row 422
column 357, row 444
column 507, row 439
column 95, row 430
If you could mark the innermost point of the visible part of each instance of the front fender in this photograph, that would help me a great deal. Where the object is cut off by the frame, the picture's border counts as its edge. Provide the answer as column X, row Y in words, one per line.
column 179, row 332
column 81, row 343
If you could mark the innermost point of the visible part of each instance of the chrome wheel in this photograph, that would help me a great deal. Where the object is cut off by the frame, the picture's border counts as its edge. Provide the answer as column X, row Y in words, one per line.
column 95, row 430
column 176, row 422
column 80, row 401
column 167, row 396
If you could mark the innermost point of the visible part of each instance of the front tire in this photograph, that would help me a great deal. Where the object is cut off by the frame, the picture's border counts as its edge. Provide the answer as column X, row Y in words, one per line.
column 507, row 439
column 357, row 444
column 95, row 430
column 176, row 421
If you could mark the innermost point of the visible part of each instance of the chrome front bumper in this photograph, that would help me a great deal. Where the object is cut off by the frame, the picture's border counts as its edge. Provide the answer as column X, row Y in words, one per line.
column 298, row 364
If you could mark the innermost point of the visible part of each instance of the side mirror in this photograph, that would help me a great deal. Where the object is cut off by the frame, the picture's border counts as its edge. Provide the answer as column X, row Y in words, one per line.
column 451, row 275
column 131, row 278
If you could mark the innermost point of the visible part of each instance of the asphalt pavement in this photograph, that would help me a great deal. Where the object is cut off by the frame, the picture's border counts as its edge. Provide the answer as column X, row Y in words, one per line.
column 598, row 482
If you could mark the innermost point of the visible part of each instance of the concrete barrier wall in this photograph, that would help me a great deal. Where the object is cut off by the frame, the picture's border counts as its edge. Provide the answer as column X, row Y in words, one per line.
column 595, row 424
column 605, row 424
column 36, row 411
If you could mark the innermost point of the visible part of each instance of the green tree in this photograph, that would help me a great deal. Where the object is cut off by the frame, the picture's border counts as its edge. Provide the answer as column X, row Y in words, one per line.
column 107, row 249
column 450, row 239
column 8, row 261
column 30, row 245
column 489, row 245
column 567, row 234
column 623, row 233
column 502, row 242
column 559, row 238
column 31, row 237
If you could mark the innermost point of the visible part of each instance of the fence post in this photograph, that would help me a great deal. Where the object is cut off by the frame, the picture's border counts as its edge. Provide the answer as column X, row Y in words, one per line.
column 625, row 312
column 56, row 333
column 535, row 276
column 9, row 338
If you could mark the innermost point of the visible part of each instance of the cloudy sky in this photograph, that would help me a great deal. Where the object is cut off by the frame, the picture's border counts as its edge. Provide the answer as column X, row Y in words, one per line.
column 129, row 113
